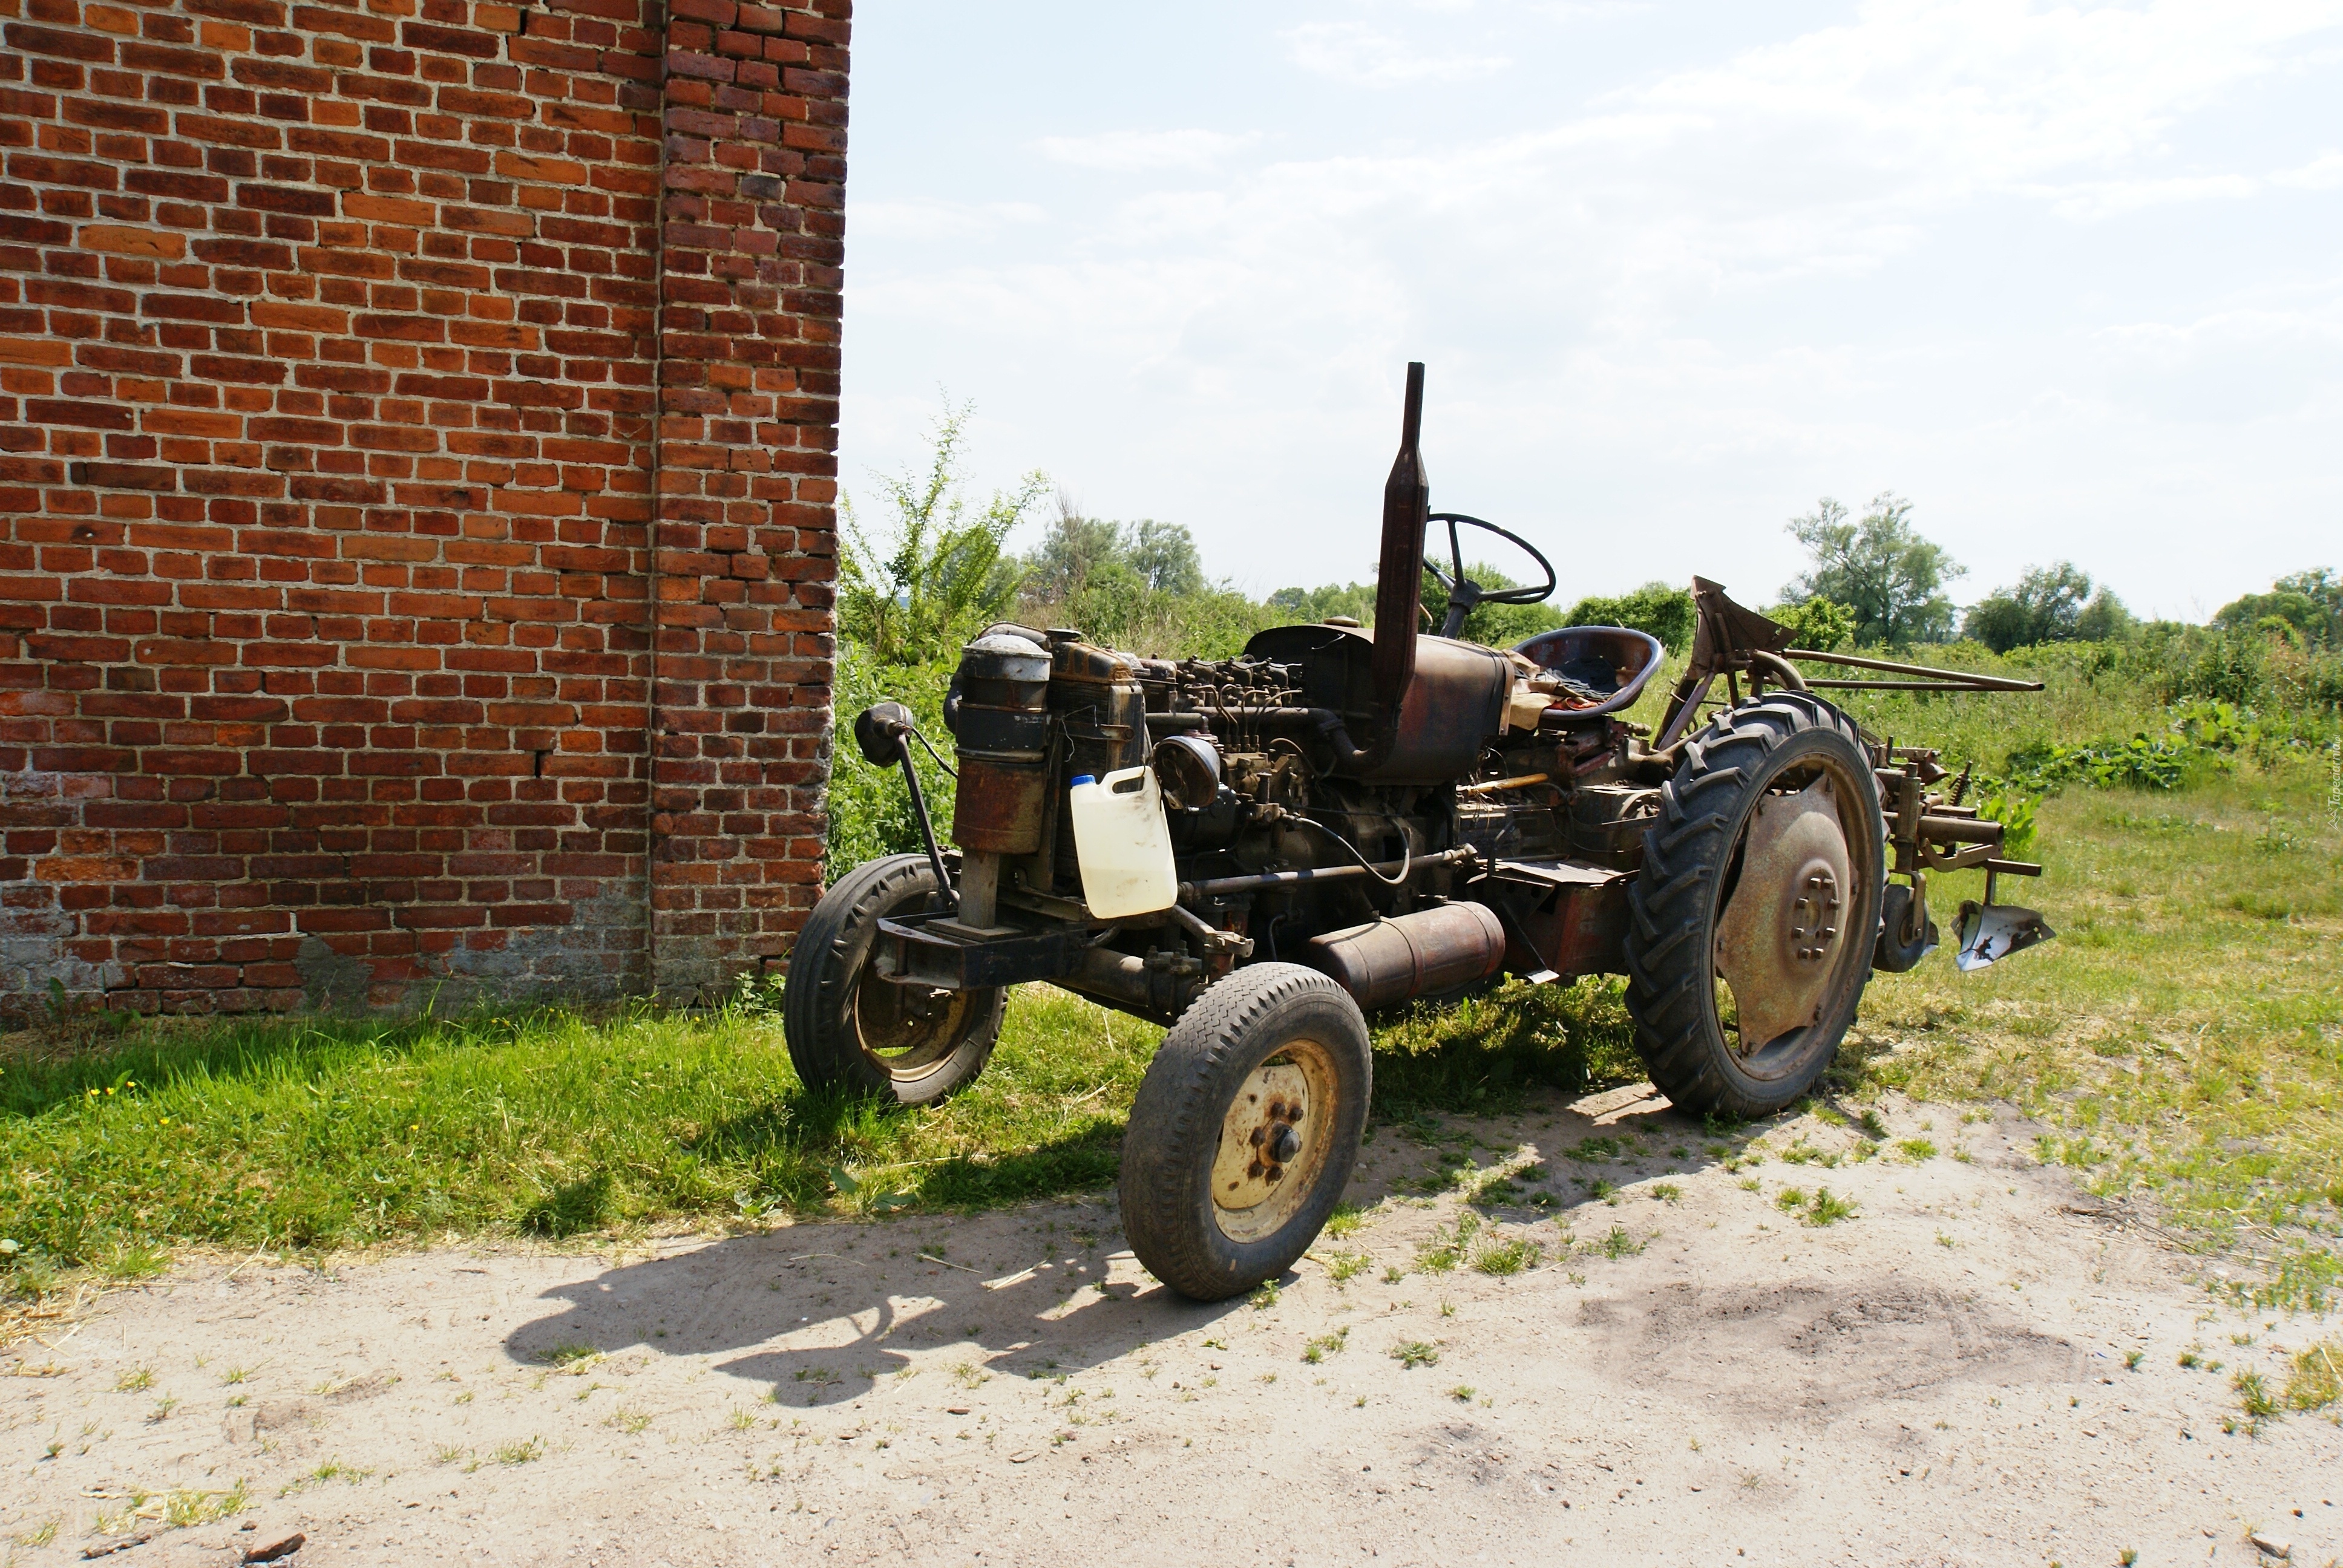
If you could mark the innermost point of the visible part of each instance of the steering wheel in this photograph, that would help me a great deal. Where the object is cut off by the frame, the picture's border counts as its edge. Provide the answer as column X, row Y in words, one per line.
column 1464, row 593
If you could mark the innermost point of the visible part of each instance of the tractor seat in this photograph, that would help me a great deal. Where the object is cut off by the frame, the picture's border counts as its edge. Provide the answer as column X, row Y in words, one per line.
column 1612, row 662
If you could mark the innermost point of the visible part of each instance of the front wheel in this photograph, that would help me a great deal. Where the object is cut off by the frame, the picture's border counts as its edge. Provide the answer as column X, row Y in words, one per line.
column 1245, row 1130
column 850, row 1027
column 1756, row 912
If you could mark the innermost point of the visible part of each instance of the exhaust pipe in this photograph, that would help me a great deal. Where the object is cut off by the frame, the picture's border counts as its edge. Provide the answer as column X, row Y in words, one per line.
column 1430, row 951
column 1399, row 574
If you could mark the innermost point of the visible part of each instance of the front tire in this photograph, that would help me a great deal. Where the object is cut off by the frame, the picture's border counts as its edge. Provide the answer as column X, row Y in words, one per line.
column 1756, row 911
column 851, row 1027
column 1245, row 1130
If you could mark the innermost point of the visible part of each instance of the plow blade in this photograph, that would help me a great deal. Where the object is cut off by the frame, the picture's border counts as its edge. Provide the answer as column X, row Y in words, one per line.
column 1993, row 931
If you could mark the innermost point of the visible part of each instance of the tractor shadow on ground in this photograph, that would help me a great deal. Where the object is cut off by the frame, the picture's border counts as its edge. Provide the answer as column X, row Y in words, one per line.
column 820, row 1311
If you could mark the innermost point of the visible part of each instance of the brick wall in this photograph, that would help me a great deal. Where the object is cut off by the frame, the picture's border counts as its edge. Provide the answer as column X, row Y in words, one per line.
column 416, row 431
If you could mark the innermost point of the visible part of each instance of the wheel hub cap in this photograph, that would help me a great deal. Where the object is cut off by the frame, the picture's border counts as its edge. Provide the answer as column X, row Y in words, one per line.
column 1783, row 932
column 1274, row 1138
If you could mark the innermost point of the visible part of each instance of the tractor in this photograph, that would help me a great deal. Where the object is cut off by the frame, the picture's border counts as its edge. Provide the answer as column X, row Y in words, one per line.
column 1262, row 852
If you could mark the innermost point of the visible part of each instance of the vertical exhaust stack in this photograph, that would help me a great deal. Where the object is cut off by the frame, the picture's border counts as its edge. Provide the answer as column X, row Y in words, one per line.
column 1398, row 579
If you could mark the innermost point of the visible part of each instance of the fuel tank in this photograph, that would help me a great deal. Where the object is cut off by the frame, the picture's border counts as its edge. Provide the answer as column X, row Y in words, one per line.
column 1454, row 703
column 1430, row 951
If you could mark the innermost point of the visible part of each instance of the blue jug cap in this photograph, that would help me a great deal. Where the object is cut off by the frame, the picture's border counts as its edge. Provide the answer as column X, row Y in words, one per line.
column 1084, row 779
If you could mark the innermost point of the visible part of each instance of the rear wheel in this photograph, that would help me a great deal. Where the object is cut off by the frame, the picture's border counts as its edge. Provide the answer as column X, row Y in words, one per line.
column 1245, row 1130
column 851, row 1027
column 1757, row 909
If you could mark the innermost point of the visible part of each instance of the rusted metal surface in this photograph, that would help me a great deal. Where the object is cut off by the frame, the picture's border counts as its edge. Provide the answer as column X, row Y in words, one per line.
column 1561, row 918
column 1274, row 1138
column 1781, row 932
column 1432, row 949
column 1398, row 582
column 998, row 807
column 1937, row 679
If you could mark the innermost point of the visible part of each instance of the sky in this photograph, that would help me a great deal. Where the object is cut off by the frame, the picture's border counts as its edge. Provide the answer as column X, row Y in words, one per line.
column 2069, row 277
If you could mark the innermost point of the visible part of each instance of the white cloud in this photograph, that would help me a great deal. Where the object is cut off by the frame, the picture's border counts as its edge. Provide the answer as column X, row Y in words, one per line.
column 1949, row 246
column 1355, row 52
column 1137, row 152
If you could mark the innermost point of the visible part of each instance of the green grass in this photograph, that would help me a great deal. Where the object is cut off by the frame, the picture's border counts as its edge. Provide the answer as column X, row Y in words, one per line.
column 2182, row 1043
column 323, row 1134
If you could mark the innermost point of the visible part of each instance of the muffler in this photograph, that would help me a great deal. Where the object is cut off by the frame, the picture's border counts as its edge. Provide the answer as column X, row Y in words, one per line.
column 1420, row 954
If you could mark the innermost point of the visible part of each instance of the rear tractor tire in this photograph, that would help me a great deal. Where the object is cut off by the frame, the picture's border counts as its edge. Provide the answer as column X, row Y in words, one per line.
column 1756, row 912
column 851, row 1027
column 1245, row 1130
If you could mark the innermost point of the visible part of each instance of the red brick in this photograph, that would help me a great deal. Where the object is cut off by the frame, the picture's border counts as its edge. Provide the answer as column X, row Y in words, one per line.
column 325, row 632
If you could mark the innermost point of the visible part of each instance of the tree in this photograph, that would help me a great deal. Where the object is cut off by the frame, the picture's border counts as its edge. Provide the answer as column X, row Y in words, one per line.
column 2307, row 605
column 1880, row 567
column 1302, row 605
column 1817, row 624
column 2104, row 619
column 939, row 574
column 1164, row 557
column 1665, row 612
column 1490, row 625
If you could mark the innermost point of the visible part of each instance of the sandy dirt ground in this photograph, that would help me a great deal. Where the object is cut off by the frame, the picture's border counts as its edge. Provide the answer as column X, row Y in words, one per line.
column 1942, row 1379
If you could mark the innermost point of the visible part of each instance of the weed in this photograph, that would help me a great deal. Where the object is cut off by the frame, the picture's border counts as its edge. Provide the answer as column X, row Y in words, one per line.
column 1511, row 1256
column 523, row 1453
column 447, row 1454
column 2315, row 1383
column 1750, row 1184
column 1345, row 1220
column 2255, row 1398
column 1264, row 1295
column 1461, row 1394
column 235, row 1375
column 1917, row 1149
column 186, row 1508
column 631, row 1421
column 134, row 1380
column 740, row 1420
column 1325, row 1346
column 1393, row 1274
column 1413, row 1353
column 1667, row 1193
column 1943, row 1239
column 968, row 1374
column 1619, row 1244
column 569, row 1356
column 2132, row 1360
column 1823, row 1208
column 2190, row 1359
column 1343, row 1267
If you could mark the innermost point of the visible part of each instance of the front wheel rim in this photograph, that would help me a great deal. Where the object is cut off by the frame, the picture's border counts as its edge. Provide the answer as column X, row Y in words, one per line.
column 1276, row 1138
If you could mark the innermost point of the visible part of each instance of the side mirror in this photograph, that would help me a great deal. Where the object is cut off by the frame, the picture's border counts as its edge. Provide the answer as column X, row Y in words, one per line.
column 878, row 732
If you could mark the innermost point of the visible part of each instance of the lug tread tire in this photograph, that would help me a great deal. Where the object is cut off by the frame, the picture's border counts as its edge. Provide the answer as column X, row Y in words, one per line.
column 1685, row 851
column 1165, row 1186
column 830, row 952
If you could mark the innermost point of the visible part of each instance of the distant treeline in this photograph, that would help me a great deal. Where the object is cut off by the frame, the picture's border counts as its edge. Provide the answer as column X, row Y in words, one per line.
column 937, row 568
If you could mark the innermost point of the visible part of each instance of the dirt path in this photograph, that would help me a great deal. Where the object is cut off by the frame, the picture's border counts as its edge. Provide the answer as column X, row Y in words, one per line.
column 1940, row 1380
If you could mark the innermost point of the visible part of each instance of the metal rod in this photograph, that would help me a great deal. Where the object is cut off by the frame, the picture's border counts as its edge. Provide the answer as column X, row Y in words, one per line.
column 1912, row 686
column 1220, row 886
column 928, row 832
column 1522, row 781
column 1993, row 682
column 1960, row 831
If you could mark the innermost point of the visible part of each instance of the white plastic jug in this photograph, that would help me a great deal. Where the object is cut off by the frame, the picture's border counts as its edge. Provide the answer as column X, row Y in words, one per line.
column 1123, row 844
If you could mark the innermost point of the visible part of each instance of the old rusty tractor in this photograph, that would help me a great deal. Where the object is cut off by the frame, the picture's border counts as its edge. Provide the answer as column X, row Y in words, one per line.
column 1261, row 851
